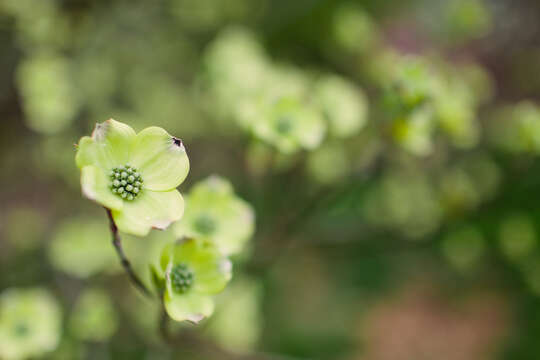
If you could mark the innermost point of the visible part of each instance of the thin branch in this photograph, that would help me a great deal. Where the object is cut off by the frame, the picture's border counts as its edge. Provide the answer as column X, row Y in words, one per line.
column 164, row 323
column 117, row 243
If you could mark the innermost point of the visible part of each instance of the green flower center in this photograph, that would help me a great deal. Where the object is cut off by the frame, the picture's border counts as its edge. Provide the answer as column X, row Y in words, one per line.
column 21, row 329
column 126, row 182
column 181, row 278
column 284, row 125
column 205, row 224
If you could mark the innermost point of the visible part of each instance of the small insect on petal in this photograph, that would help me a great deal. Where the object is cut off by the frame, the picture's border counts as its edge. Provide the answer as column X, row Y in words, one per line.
column 177, row 142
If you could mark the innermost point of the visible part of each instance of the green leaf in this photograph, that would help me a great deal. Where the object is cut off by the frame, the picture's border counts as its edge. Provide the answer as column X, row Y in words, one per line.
column 149, row 210
column 191, row 306
column 108, row 147
column 161, row 159
column 95, row 186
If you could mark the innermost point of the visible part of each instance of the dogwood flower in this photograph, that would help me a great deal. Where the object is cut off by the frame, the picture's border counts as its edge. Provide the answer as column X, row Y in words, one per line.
column 193, row 270
column 134, row 175
column 216, row 214
column 30, row 323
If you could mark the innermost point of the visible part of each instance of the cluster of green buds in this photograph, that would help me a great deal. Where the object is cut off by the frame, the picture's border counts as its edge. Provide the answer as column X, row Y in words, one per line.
column 126, row 182
column 181, row 278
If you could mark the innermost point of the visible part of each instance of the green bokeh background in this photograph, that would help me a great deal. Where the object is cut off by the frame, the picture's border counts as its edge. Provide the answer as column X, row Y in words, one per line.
column 389, row 151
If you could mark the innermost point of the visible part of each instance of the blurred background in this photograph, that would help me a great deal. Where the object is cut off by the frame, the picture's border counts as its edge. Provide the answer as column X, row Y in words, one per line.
column 389, row 151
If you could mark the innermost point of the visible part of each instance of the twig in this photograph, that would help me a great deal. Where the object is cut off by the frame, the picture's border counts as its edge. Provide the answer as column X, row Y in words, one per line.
column 117, row 243
column 164, row 324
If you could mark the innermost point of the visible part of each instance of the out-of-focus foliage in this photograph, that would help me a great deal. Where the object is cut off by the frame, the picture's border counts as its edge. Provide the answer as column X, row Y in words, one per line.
column 81, row 247
column 237, row 324
column 50, row 100
column 378, row 178
column 93, row 316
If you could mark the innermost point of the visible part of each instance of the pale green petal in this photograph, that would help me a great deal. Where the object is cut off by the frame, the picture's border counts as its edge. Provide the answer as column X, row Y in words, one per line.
column 166, row 256
column 185, row 250
column 108, row 147
column 160, row 158
column 211, row 274
column 150, row 209
column 212, row 270
column 95, row 186
column 191, row 306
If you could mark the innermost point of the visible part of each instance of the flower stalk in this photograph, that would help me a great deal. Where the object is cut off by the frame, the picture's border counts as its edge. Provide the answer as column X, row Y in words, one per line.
column 117, row 243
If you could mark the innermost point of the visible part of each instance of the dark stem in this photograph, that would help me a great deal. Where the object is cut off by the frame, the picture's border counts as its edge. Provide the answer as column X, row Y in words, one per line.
column 164, row 323
column 117, row 243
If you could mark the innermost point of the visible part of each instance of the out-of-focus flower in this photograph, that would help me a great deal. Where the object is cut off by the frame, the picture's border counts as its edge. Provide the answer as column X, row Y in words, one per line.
column 458, row 191
column 467, row 19
column 516, row 128
column 464, row 247
column 409, row 90
column 215, row 213
column 237, row 323
column 30, row 323
column 353, row 29
column 266, row 99
column 158, row 99
column 329, row 163
column 461, row 89
column 517, row 236
column 414, row 131
column 457, row 117
column 193, row 270
column 235, row 66
column 290, row 125
column 343, row 104
column 93, row 317
column 422, row 95
column 479, row 83
column 405, row 202
column 484, row 174
column 50, row 101
column 412, row 82
column 134, row 175
column 82, row 247
column 40, row 23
